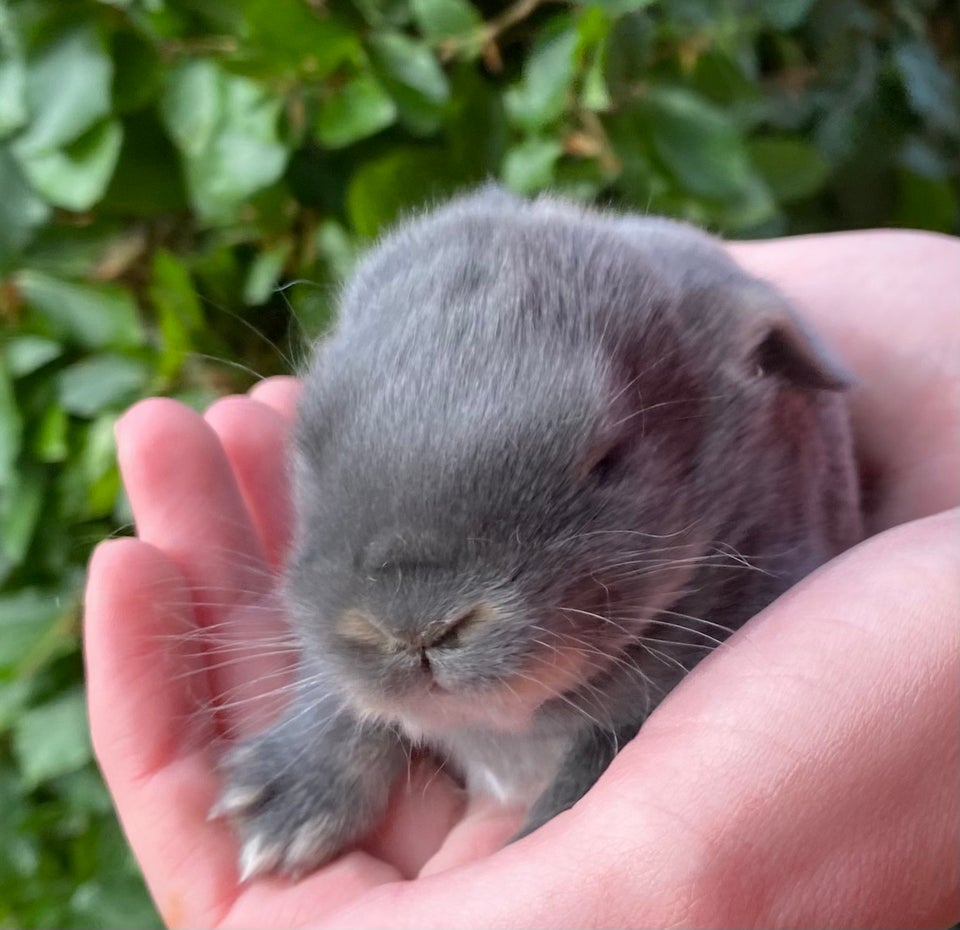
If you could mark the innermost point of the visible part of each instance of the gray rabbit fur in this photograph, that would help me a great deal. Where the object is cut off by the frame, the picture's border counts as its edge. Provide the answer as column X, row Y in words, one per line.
column 548, row 457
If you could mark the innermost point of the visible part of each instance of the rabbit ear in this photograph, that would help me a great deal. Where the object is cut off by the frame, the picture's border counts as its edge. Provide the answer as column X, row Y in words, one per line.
column 779, row 344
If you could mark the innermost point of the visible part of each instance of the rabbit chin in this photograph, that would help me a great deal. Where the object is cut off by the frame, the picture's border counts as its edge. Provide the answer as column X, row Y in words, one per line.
column 509, row 706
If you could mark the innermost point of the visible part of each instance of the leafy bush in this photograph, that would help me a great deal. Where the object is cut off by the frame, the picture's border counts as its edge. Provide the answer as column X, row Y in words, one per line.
column 182, row 181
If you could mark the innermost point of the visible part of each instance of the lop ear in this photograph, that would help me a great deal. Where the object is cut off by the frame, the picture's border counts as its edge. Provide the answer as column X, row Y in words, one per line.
column 778, row 343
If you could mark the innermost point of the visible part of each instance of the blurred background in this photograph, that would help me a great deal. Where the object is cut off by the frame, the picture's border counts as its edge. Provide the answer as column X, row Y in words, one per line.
column 183, row 182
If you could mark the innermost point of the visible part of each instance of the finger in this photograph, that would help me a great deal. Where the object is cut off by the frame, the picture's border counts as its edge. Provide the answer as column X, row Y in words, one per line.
column 425, row 806
column 185, row 499
column 484, row 828
column 142, row 664
column 254, row 437
column 146, row 728
column 152, row 746
column 186, row 502
column 284, row 903
column 824, row 758
column 887, row 300
column 280, row 393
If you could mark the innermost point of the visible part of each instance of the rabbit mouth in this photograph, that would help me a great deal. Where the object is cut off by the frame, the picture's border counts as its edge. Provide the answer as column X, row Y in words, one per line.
column 437, row 705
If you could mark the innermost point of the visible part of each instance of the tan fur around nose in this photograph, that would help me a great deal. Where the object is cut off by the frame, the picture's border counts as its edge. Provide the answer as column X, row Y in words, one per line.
column 362, row 628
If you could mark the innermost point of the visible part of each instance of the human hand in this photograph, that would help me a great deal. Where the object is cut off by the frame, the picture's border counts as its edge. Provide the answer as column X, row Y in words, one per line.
column 803, row 775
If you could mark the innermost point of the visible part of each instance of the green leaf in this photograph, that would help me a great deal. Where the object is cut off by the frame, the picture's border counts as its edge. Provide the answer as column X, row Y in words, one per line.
column 689, row 15
column 68, row 91
column 123, row 903
column 264, row 273
column 639, row 180
column 923, row 157
column 92, row 315
column 475, row 128
column 358, row 109
column 288, row 38
column 25, row 354
column 579, row 179
column 750, row 209
column 50, row 439
column 13, row 95
column 541, row 95
column 445, row 19
column 20, row 507
column 98, row 462
column 191, row 104
column 218, row 274
column 792, row 168
column 76, row 177
column 26, row 617
column 14, row 696
column 339, row 251
column 593, row 28
column 721, row 79
column 930, row 89
column 698, row 144
column 146, row 182
column 413, row 77
column 528, row 167
column 619, row 7
column 53, row 739
column 925, row 203
column 137, row 72
column 67, row 250
column 629, row 54
column 785, row 14
column 381, row 189
column 103, row 382
column 113, row 902
column 88, row 485
column 380, row 13
column 21, row 210
column 226, row 127
column 83, row 792
column 177, row 306
column 11, row 426
column 595, row 94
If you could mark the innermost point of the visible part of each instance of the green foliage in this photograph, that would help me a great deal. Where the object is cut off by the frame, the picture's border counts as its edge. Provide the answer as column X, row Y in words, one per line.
column 181, row 182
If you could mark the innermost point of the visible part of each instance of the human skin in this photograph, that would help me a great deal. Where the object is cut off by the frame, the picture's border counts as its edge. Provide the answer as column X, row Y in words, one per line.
column 805, row 774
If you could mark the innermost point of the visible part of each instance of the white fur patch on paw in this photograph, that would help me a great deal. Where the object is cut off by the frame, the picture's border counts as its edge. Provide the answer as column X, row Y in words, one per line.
column 309, row 846
column 234, row 801
column 257, row 857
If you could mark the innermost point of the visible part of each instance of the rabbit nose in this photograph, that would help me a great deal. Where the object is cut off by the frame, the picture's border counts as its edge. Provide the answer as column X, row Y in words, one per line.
column 443, row 632
column 360, row 627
